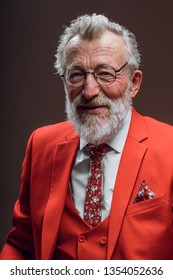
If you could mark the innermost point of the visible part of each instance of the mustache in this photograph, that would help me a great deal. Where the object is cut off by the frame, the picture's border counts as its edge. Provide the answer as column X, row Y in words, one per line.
column 81, row 101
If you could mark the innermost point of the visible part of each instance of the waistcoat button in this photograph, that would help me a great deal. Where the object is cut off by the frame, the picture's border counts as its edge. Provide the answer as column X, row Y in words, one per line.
column 82, row 238
column 103, row 241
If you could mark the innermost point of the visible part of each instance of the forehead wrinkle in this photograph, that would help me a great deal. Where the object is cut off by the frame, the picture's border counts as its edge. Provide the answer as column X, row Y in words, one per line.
column 104, row 49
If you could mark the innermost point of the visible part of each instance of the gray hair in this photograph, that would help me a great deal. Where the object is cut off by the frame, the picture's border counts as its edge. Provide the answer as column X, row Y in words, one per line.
column 89, row 27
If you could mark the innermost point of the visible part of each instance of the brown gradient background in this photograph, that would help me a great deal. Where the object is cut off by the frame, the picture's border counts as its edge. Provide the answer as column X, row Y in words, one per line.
column 31, row 95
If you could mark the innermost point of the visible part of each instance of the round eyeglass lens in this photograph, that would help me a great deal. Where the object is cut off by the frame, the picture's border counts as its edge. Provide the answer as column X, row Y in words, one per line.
column 75, row 76
column 105, row 74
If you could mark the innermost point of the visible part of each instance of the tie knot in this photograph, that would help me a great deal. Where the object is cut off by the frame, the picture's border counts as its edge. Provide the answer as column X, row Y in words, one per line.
column 97, row 152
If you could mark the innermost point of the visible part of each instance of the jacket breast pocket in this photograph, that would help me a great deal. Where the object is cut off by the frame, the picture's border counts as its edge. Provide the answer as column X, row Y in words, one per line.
column 147, row 204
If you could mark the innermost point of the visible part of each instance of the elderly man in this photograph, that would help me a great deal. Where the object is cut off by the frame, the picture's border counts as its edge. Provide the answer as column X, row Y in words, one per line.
column 98, row 186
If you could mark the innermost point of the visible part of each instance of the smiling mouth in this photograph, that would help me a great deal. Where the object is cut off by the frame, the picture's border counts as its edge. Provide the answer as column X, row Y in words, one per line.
column 95, row 110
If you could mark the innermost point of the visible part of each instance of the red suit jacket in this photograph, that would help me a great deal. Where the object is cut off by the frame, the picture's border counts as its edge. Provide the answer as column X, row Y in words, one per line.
column 143, row 230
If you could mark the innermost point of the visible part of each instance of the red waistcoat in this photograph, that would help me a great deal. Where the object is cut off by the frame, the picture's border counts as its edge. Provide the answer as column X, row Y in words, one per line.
column 76, row 239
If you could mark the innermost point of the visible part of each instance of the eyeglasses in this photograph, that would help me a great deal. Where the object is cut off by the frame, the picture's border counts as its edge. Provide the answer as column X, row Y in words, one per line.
column 104, row 75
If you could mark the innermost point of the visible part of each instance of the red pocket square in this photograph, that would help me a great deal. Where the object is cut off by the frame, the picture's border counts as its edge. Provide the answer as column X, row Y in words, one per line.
column 144, row 193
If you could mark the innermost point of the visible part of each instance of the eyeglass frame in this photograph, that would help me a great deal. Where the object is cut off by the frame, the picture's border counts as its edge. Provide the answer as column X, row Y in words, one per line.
column 93, row 73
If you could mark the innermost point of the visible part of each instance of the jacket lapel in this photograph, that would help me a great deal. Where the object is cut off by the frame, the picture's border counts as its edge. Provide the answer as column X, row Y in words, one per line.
column 131, row 160
column 62, row 165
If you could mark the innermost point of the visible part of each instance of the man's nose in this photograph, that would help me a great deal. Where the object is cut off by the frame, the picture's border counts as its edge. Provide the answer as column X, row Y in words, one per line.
column 91, row 87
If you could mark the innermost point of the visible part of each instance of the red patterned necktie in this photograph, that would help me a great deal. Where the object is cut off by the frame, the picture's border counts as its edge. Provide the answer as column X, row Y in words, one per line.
column 92, row 207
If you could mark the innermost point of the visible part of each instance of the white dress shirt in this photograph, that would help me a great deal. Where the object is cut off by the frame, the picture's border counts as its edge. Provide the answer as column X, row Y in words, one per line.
column 110, row 164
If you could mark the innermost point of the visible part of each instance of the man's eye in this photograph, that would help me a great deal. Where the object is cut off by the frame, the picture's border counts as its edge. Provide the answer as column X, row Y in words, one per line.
column 106, row 76
column 75, row 76
column 105, row 73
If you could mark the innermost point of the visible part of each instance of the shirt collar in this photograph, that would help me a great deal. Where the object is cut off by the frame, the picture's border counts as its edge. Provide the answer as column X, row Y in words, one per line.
column 118, row 140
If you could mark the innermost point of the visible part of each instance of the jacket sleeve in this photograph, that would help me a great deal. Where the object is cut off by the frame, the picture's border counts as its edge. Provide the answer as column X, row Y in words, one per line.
column 20, row 241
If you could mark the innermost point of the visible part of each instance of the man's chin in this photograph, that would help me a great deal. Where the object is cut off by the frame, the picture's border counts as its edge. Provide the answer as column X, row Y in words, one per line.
column 94, row 131
column 93, row 120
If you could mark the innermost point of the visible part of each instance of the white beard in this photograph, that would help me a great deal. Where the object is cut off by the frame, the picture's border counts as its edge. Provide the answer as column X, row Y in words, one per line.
column 98, row 129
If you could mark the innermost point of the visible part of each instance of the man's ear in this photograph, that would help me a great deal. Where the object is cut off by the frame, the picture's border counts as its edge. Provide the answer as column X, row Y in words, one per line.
column 136, row 81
